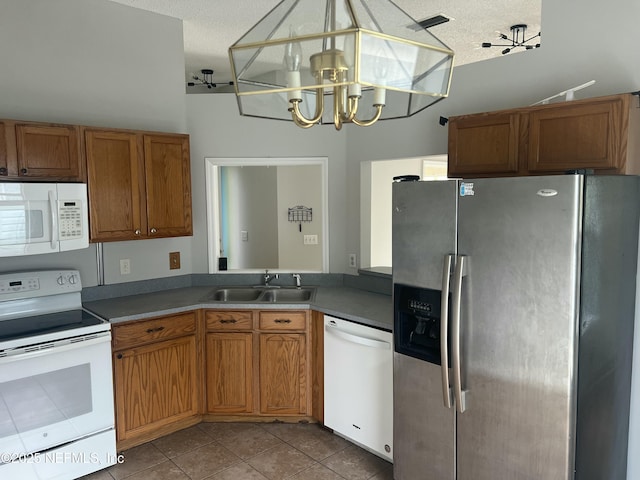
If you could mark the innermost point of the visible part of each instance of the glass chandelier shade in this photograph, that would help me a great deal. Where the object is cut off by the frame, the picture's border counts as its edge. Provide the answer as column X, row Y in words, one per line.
column 367, row 59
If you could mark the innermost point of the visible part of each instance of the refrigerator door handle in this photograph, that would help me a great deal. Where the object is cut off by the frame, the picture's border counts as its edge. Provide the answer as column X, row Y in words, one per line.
column 460, row 272
column 444, row 330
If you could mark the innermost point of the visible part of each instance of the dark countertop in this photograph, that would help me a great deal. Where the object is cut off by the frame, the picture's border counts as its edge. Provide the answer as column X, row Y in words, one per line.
column 361, row 306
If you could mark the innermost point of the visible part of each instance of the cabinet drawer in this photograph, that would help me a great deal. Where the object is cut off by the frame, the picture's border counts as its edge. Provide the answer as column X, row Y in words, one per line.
column 229, row 320
column 147, row 331
column 283, row 320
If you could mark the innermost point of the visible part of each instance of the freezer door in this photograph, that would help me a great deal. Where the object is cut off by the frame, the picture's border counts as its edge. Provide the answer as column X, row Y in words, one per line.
column 521, row 241
column 423, row 429
column 424, row 231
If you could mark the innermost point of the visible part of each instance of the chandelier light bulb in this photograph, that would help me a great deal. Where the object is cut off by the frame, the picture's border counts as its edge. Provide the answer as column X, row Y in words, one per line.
column 293, row 55
column 292, row 62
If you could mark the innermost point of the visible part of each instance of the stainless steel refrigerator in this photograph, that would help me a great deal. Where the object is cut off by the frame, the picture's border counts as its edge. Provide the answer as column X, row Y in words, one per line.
column 514, row 307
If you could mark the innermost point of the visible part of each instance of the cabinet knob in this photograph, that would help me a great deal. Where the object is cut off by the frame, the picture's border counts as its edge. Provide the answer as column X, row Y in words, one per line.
column 23, row 171
column 137, row 232
column 3, row 171
column 119, row 356
column 153, row 230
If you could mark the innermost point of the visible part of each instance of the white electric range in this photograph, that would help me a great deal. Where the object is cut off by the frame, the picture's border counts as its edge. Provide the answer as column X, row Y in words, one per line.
column 56, row 387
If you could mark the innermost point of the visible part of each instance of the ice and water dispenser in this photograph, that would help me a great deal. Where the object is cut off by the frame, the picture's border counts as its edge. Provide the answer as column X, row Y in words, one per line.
column 417, row 322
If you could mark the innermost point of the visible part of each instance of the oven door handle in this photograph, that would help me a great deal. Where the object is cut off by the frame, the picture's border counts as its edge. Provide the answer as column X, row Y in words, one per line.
column 48, row 348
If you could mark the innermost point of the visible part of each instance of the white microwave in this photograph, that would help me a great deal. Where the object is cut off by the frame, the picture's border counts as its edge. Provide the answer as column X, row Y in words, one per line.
column 40, row 218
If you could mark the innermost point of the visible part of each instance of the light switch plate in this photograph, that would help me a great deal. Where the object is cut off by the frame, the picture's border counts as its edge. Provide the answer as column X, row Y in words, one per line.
column 125, row 266
column 174, row 260
column 311, row 239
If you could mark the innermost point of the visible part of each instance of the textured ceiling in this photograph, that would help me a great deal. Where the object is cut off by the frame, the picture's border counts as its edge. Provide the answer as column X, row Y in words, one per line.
column 211, row 26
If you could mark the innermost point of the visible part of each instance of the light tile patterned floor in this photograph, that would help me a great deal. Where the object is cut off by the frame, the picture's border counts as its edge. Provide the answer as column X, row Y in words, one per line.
column 249, row 451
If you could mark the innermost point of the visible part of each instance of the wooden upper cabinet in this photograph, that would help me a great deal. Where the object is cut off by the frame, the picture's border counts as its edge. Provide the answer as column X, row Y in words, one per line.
column 139, row 185
column 50, row 151
column 486, row 143
column 115, row 182
column 168, row 183
column 31, row 151
column 591, row 135
column 599, row 134
column 3, row 152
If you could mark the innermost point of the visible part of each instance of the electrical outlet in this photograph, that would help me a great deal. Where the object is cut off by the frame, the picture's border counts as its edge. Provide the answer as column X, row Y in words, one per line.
column 310, row 239
column 352, row 260
column 174, row 260
column 125, row 266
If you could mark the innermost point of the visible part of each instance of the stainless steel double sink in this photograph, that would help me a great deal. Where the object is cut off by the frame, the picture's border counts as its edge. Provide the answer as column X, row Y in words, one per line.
column 261, row 294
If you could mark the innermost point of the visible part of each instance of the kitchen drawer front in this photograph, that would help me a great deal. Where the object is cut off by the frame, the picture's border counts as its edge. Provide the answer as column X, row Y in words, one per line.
column 147, row 331
column 229, row 320
column 283, row 320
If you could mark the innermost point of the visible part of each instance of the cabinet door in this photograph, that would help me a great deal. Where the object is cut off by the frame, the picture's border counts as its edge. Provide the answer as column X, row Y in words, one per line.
column 484, row 144
column 229, row 372
column 168, row 183
column 283, row 376
column 155, row 385
column 4, row 170
column 588, row 135
column 116, row 195
column 49, row 151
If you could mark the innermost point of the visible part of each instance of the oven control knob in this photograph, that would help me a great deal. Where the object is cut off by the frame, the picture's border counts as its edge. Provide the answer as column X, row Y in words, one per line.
column 60, row 280
column 72, row 279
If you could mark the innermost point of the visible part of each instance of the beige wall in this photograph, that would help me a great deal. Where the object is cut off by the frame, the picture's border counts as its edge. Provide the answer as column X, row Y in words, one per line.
column 299, row 185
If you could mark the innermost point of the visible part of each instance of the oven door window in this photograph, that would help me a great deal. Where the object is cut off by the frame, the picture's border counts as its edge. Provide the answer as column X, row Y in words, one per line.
column 55, row 396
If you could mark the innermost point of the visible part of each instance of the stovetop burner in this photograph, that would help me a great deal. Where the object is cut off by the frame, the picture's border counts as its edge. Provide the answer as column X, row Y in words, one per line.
column 42, row 307
column 46, row 324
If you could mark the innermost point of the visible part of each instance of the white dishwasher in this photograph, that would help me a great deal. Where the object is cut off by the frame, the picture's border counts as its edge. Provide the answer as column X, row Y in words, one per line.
column 358, row 384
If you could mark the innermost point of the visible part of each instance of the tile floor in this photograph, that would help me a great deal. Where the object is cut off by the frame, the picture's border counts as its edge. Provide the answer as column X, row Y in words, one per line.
column 248, row 451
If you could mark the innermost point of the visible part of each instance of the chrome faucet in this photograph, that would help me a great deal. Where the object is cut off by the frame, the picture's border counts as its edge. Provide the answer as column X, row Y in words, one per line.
column 297, row 277
column 268, row 278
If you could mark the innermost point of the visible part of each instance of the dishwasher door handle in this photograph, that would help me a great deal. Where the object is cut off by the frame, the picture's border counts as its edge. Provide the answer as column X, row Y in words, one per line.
column 350, row 337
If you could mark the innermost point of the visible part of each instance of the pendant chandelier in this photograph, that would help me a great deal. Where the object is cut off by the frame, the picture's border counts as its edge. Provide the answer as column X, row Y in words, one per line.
column 366, row 58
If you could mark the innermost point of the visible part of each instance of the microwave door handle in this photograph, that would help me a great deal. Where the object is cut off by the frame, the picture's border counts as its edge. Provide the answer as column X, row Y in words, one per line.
column 458, row 392
column 444, row 330
column 54, row 218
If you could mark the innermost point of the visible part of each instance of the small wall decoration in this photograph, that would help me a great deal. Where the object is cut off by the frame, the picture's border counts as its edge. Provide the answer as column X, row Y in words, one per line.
column 300, row 214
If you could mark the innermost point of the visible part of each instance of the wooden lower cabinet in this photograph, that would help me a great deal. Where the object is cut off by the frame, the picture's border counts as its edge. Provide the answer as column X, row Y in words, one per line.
column 156, row 377
column 229, row 361
column 257, row 363
column 173, row 371
column 283, row 375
